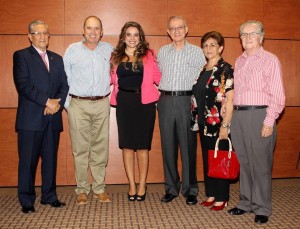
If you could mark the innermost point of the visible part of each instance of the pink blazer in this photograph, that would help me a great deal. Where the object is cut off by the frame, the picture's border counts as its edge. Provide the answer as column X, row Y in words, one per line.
column 151, row 76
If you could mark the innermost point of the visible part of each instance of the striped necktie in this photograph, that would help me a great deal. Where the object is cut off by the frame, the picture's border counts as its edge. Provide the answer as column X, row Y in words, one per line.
column 43, row 55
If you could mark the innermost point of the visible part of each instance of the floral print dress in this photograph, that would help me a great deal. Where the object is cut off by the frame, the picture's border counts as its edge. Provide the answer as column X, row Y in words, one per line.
column 211, row 95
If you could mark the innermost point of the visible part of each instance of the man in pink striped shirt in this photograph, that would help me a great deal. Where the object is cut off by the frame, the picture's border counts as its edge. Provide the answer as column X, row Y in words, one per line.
column 259, row 99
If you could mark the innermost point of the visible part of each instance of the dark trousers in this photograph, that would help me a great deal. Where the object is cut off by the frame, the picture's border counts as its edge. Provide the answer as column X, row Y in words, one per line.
column 214, row 187
column 31, row 146
column 174, row 122
column 255, row 155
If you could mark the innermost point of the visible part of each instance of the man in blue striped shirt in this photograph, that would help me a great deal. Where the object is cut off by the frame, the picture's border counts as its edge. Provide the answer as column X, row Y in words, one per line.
column 88, row 70
column 180, row 63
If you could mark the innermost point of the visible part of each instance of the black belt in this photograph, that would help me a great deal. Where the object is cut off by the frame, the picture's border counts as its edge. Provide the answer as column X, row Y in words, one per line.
column 176, row 93
column 130, row 90
column 92, row 98
column 244, row 108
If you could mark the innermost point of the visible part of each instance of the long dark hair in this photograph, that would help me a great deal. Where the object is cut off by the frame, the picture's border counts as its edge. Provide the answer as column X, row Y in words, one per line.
column 141, row 50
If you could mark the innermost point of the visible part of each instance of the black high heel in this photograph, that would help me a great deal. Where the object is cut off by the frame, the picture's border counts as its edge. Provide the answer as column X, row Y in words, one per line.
column 143, row 197
column 132, row 197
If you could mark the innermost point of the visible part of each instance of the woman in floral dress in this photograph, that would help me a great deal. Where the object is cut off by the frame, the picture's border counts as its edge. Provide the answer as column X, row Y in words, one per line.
column 213, row 88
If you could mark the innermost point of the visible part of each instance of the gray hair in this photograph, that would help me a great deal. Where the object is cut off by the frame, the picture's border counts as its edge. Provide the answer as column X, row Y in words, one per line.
column 34, row 23
column 258, row 23
column 176, row 17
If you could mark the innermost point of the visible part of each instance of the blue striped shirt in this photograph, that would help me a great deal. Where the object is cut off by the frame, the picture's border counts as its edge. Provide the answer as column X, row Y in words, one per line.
column 88, row 70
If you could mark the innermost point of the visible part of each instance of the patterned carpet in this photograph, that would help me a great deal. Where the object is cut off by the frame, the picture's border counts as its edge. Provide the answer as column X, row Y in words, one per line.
column 149, row 214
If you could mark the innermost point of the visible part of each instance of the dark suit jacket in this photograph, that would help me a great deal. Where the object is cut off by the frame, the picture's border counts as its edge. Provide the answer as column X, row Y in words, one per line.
column 35, row 85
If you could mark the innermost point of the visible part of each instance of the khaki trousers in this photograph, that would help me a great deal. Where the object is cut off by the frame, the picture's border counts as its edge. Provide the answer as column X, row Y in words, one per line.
column 89, row 130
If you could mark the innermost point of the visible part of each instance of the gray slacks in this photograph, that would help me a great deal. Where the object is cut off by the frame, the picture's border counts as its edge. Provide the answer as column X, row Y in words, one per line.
column 174, row 121
column 255, row 155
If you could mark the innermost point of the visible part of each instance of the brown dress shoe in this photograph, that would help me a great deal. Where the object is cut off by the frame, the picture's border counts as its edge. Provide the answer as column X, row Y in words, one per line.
column 82, row 199
column 102, row 197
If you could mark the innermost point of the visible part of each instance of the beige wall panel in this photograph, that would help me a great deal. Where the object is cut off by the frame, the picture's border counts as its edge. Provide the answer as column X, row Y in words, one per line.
column 8, row 45
column 287, row 146
column 16, row 15
column 115, row 13
column 281, row 19
column 9, row 152
column 288, row 53
column 156, row 42
column 232, row 50
column 223, row 16
column 8, row 148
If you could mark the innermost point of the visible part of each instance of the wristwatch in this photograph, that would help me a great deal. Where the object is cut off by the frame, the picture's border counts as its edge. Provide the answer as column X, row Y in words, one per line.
column 225, row 125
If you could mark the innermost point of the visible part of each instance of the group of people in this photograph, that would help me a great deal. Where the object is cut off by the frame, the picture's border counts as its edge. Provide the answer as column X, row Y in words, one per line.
column 243, row 102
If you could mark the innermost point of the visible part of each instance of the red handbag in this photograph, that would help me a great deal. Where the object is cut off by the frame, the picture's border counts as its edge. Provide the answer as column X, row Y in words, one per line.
column 223, row 164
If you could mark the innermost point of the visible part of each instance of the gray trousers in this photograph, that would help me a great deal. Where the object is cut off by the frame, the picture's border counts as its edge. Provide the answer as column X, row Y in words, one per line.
column 255, row 155
column 174, row 121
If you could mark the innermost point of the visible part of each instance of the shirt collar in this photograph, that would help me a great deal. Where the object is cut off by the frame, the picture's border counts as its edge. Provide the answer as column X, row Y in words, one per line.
column 39, row 51
column 258, row 53
column 82, row 42
column 186, row 43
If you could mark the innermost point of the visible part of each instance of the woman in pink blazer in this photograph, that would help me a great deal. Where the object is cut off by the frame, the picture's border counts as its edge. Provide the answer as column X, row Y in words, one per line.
column 134, row 75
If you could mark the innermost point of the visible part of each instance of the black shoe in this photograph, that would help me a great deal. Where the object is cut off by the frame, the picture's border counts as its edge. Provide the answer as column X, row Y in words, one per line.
column 191, row 200
column 167, row 198
column 27, row 210
column 260, row 219
column 141, row 198
column 131, row 197
column 237, row 211
column 54, row 204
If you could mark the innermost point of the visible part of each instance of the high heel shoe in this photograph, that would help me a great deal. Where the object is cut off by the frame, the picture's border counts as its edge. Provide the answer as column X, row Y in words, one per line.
column 132, row 197
column 207, row 203
column 143, row 197
column 219, row 208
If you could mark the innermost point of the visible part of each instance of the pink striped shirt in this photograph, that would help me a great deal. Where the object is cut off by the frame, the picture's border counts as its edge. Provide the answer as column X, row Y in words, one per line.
column 258, row 81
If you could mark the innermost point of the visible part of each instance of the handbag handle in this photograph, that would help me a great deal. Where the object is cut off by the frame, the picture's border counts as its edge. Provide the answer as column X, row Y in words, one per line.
column 217, row 148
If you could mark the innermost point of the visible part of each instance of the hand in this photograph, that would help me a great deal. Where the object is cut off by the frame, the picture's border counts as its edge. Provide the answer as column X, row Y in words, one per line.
column 47, row 111
column 52, row 106
column 223, row 134
column 266, row 131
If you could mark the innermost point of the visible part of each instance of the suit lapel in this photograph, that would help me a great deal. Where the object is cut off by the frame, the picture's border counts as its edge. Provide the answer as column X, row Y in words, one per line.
column 36, row 56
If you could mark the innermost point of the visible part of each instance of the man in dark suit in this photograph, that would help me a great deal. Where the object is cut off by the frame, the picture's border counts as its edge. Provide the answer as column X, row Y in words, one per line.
column 42, row 88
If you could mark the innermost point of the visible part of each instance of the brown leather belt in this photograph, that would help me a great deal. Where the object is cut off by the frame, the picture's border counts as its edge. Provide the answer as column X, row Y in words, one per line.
column 92, row 98
column 245, row 108
column 176, row 93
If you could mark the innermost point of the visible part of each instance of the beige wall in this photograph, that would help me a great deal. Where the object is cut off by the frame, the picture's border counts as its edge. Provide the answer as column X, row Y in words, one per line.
column 65, row 18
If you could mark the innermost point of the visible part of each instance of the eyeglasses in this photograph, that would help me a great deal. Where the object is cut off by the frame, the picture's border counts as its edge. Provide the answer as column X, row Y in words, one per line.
column 179, row 28
column 40, row 33
column 251, row 35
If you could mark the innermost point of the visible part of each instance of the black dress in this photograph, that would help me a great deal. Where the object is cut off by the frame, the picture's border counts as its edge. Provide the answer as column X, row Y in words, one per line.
column 206, row 94
column 135, row 120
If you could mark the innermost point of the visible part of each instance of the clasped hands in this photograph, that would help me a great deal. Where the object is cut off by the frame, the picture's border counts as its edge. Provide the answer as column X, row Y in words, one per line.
column 52, row 106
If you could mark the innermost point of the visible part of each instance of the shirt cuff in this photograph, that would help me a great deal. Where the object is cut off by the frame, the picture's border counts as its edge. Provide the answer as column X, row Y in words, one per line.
column 269, row 122
column 47, row 101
